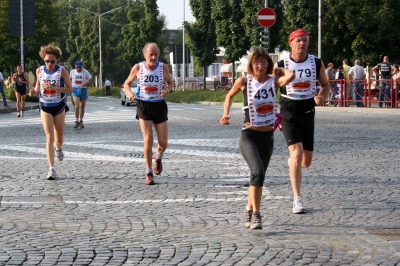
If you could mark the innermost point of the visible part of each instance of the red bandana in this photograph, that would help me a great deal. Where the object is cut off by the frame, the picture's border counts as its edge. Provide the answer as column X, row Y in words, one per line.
column 297, row 33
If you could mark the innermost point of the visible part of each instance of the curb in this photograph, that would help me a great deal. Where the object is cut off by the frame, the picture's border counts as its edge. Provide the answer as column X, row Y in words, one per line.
column 14, row 109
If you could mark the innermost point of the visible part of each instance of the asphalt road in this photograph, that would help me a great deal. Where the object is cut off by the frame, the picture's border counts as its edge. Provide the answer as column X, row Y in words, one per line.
column 99, row 212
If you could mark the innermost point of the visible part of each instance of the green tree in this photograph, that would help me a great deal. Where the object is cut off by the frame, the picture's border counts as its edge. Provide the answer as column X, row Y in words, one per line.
column 47, row 31
column 301, row 14
column 202, row 36
column 145, row 25
column 250, row 9
column 231, row 33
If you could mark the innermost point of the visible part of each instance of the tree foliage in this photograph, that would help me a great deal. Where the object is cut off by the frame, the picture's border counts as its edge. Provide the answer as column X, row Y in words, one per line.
column 47, row 31
column 201, row 33
column 231, row 33
column 301, row 14
column 351, row 29
column 145, row 25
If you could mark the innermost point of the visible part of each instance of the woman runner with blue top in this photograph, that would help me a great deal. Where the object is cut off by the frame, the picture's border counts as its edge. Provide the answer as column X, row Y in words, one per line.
column 53, row 85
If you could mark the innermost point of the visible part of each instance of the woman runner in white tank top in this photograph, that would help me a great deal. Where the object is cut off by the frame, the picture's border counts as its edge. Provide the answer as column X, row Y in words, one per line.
column 259, row 90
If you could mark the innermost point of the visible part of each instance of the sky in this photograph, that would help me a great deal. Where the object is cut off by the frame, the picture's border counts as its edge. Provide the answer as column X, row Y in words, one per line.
column 173, row 10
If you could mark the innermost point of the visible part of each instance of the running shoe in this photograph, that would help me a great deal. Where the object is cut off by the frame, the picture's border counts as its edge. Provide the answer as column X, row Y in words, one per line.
column 6, row 106
column 19, row 114
column 248, row 214
column 81, row 124
column 149, row 179
column 298, row 205
column 22, row 113
column 59, row 154
column 51, row 175
column 256, row 220
column 76, row 124
column 157, row 169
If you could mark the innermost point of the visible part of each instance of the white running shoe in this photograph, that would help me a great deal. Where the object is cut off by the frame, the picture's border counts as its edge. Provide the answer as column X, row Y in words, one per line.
column 19, row 114
column 51, row 175
column 298, row 205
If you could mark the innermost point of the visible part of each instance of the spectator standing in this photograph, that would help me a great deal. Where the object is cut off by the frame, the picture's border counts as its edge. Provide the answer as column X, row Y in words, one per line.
column 346, row 70
column 151, row 107
column 385, row 69
column 54, row 85
column 331, row 76
column 21, row 80
column 357, row 76
column 2, row 90
column 257, row 136
column 81, row 79
column 107, row 84
column 396, row 81
column 298, row 101
column 339, row 86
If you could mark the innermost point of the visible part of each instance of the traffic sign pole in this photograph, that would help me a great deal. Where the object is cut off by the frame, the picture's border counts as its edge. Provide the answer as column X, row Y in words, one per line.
column 266, row 17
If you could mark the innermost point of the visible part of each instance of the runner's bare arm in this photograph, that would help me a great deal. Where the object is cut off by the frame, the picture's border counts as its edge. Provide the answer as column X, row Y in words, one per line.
column 283, row 77
column 67, row 82
column 131, row 78
column 325, row 88
column 168, row 80
column 34, row 91
column 237, row 87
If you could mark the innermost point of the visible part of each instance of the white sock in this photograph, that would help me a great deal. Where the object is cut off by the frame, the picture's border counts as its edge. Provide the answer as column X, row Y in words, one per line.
column 248, row 209
column 148, row 171
column 159, row 156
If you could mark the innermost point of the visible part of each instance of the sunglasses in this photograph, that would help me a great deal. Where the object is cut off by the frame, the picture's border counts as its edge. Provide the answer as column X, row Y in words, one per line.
column 259, row 64
column 50, row 61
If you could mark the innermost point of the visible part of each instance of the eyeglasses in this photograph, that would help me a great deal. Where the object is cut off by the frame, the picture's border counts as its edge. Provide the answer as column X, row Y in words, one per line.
column 259, row 64
column 302, row 39
column 50, row 61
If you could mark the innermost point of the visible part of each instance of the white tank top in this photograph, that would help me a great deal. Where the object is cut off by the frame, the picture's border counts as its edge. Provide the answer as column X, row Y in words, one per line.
column 304, row 85
column 261, row 100
column 78, row 78
column 50, row 98
column 151, row 82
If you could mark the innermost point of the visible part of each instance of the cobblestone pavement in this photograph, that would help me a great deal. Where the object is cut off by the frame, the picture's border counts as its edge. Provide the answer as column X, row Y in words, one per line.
column 99, row 212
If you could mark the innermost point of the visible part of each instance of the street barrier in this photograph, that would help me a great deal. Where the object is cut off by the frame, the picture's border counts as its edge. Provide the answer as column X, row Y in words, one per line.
column 365, row 92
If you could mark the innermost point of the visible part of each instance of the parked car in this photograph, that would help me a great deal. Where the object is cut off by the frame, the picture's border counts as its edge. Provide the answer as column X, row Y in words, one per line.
column 124, row 99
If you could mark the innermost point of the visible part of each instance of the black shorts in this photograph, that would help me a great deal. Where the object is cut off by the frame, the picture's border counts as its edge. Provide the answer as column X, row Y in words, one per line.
column 56, row 110
column 298, row 127
column 154, row 111
column 20, row 90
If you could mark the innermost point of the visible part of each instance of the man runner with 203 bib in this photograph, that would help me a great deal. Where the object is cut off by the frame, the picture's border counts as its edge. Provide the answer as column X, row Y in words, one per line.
column 151, row 107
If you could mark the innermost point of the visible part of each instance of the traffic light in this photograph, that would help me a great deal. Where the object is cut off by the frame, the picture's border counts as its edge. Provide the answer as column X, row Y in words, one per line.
column 264, row 38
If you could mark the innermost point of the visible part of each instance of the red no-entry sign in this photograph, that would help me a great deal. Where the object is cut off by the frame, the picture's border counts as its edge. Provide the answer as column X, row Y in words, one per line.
column 266, row 17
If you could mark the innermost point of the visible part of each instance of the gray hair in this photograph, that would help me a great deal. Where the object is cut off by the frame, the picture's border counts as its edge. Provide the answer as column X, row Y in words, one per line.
column 147, row 45
column 357, row 62
column 345, row 61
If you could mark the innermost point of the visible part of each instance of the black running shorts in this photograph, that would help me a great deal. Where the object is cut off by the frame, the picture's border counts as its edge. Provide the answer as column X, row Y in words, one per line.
column 298, row 127
column 154, row 111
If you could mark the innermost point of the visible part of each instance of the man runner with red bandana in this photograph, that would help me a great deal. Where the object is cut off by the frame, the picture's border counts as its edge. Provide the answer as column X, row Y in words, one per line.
column 297, row 107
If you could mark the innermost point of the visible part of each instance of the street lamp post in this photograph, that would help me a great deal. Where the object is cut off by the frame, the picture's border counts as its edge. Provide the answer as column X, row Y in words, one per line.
column 100, row 57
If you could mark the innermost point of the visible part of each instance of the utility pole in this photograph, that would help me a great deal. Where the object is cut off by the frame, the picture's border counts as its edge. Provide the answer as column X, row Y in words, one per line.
column 183, row 48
